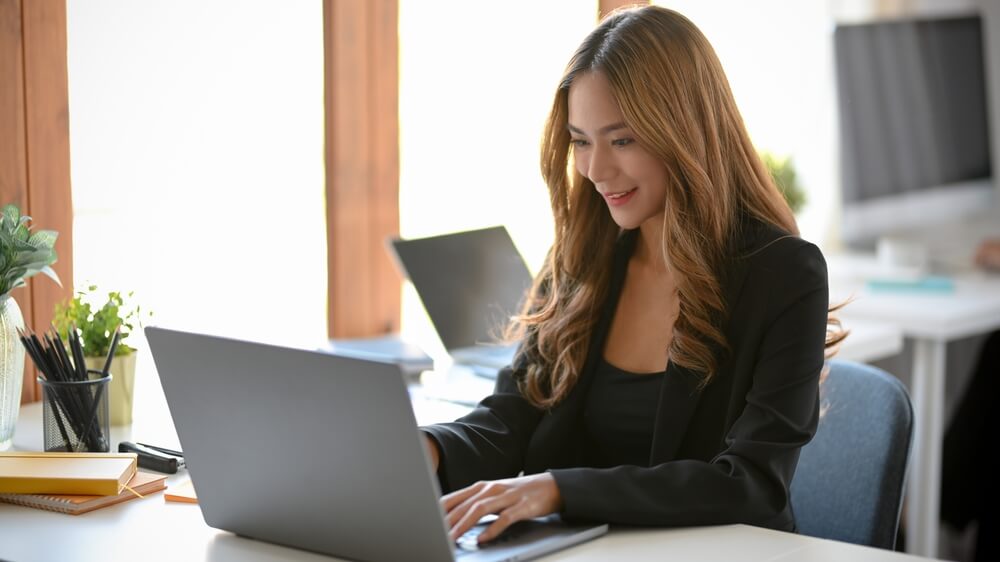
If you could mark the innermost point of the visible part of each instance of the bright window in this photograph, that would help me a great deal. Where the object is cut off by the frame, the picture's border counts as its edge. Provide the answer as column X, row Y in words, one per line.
column 477, row 80
column 197, row 161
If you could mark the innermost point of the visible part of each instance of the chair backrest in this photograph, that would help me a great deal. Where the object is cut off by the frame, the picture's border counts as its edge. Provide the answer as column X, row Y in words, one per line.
column 849, row 482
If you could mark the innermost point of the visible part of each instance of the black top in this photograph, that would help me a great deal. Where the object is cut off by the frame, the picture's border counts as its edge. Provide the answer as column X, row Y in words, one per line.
column 619, row 415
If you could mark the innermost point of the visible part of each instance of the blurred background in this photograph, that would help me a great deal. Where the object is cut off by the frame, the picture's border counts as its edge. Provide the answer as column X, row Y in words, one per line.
column 221, row 103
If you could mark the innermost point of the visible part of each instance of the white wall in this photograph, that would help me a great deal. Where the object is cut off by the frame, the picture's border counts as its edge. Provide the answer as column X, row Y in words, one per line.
column 778, row 57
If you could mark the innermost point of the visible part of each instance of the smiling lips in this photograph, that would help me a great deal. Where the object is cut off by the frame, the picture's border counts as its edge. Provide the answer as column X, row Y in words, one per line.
column 619, row 198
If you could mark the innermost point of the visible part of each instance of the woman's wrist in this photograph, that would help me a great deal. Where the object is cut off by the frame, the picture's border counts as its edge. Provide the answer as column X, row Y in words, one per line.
column 433, row 451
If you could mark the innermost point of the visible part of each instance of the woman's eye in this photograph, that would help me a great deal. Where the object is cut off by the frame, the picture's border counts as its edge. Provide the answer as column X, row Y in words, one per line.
column 622, row 142
column 578, row 142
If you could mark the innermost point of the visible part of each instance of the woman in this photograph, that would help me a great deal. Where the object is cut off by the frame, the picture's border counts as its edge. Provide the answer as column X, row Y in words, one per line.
column 672, row 345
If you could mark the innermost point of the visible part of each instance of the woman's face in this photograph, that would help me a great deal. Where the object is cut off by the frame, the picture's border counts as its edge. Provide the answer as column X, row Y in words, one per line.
column 632, row 181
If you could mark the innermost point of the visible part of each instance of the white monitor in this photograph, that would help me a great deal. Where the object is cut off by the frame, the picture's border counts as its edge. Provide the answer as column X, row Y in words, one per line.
column 914, row 123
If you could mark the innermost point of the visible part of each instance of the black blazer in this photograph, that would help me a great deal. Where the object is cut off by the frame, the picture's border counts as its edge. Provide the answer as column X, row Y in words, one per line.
column 724, row 454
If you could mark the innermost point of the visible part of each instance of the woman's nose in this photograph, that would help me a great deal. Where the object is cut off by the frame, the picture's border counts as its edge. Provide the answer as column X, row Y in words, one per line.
column 601, row 166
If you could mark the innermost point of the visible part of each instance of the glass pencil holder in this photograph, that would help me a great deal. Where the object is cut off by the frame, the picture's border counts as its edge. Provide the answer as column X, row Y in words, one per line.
column 75, row 414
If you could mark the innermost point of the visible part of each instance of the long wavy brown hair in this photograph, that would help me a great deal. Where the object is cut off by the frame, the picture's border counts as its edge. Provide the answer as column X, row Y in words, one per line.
column 675, row 97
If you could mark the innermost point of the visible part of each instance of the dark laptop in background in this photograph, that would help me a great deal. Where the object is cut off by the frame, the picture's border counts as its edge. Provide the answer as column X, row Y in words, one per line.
column 318, row 451
column 470, row 284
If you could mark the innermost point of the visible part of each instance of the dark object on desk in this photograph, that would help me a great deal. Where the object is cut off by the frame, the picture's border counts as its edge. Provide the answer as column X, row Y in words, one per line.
column 75, row 415
column 152, row 457
column 75, row 411
column 390, row 349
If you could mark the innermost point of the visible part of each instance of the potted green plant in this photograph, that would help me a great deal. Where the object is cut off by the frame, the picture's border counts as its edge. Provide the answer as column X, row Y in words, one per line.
column 782, row 170
column 22, row 255
column 96, row 318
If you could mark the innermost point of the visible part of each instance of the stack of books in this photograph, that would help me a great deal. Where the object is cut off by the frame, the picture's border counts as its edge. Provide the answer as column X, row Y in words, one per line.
column 73, row 483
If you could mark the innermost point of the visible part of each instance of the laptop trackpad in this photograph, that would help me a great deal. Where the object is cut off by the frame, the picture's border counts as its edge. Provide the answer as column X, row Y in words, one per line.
column 522, row 540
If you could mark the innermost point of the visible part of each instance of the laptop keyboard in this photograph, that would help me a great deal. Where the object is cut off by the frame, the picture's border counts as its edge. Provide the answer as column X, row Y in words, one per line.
column 468, row 543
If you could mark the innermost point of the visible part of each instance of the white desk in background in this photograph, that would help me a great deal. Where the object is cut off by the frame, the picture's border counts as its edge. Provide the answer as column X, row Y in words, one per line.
column 869, row 340
column 152, row 529
column 931, row 320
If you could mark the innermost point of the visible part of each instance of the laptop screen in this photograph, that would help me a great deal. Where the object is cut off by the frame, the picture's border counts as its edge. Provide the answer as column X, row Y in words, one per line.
column 469, row 282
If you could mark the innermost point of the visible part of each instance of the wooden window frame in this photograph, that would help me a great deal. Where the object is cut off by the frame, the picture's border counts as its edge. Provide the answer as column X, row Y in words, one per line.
column 34, row 146
column 361, row 44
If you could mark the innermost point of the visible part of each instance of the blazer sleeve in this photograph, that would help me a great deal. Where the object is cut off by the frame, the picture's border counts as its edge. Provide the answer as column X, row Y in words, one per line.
column 748, row 481
column 488, row 443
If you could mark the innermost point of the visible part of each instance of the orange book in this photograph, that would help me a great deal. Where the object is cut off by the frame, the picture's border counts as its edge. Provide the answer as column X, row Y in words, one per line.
column 143, row 483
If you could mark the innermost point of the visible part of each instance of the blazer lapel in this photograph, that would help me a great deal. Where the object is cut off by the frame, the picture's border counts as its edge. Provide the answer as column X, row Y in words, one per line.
column 679, row 393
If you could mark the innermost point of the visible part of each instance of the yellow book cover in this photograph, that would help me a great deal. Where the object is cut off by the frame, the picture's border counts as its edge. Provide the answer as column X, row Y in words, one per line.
column 142, row 483
column 98, row 474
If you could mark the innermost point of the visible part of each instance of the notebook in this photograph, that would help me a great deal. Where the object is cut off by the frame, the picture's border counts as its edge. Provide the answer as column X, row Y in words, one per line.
column 103, row 474
column 316, row 451
column 142, row 483
column 181, row 493
column 470, row 284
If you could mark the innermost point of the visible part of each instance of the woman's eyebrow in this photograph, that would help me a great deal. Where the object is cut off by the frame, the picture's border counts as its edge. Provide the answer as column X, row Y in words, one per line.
column 603, row 130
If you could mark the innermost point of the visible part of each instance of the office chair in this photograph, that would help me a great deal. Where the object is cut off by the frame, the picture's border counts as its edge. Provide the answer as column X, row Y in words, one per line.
column 850, row 478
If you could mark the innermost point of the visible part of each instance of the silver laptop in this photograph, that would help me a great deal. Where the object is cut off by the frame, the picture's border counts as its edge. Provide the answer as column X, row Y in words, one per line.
column 317, row 451
column 470, row 283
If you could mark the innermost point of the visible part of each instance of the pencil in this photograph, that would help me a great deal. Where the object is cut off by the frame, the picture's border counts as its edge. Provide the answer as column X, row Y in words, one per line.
column 111, row 350
column 81, row 367
column 43, row 368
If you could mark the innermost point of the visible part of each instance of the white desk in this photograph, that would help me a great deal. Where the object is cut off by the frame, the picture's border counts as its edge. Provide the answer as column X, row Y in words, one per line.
column 870, row 340
column 931, row 321
column 152, row 529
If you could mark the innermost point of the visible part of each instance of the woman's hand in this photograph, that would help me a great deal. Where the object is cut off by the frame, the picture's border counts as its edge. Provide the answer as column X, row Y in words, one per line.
column 513, row 499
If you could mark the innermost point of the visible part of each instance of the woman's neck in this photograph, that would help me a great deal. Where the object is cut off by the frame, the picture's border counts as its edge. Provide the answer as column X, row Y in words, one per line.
column 649, row 247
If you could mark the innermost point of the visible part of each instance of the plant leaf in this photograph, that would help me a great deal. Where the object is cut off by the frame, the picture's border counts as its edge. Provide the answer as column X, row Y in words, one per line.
column 12, row 214
column 43, row 239
column 33, row 256
column 51, row 273
column 21, row 233
column 15, row 272
column 21, row 245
